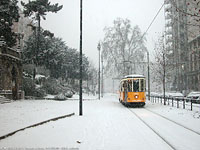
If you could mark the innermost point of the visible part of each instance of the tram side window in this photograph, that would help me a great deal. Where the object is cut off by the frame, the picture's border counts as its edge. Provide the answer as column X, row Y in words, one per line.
column 125, row 86
column 142, row 85
column 136, row 85
column 121, row 87
column 130, row 86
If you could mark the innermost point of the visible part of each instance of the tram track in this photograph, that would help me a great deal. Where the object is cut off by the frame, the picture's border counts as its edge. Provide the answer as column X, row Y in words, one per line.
column 196, row 132
column 167, row 129
column 157, row 133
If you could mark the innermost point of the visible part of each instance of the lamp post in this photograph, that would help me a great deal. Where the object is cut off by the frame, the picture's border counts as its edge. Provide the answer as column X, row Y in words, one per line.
column 102, row 75
column 99, row 48
column 164, row 75
column 148, row 68
column 80, row 61
column 148, row 76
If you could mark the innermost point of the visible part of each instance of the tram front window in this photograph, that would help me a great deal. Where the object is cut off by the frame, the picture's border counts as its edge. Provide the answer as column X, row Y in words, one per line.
column 136, row 85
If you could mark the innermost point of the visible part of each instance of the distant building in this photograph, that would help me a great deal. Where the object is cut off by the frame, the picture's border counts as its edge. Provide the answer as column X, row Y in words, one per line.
column 193, row 74
column 182, row 30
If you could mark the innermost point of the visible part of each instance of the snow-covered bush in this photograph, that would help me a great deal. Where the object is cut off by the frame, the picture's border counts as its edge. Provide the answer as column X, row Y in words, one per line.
column 54, row 87
column 60, row 96
column 28, row 86
column 39, row 92
column 30, row 89
column 68, row 93
column 51, row 86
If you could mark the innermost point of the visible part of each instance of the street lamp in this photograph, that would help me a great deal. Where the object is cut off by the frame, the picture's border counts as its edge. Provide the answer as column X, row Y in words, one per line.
column 99, row 48
column 148, row 76
column 148, row 68
column 80, row 61
column 102, row 75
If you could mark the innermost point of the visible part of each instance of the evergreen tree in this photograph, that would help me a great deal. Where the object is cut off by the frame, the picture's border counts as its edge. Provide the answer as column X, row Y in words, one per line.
column 39, row 8
column 55, row 55
column 8, row 15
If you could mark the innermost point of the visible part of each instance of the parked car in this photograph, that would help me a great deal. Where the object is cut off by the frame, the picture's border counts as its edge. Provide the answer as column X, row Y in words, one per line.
column 153, row 94
column 174, row 94
column 177, row 95
column 194, row 96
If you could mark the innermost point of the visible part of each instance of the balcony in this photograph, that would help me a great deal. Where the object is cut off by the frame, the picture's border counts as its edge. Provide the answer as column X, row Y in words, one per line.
column 10, row 53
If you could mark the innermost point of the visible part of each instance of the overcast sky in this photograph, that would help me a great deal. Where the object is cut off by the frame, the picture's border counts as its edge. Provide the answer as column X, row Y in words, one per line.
column 100, row 13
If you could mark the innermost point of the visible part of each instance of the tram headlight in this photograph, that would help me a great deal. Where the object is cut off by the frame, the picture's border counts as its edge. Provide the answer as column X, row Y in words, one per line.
column 136, row 96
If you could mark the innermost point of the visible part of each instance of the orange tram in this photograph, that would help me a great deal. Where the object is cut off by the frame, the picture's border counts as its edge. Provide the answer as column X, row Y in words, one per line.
column 132, row 90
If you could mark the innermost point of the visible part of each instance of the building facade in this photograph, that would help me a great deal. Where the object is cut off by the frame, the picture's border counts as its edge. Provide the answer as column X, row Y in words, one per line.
column 193, row 74
column 11, row 70
column 182, row 29
column 10, row 73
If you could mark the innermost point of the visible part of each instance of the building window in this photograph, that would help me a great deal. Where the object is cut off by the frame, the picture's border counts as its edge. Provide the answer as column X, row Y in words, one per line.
column 198, row 41
column 195, row 44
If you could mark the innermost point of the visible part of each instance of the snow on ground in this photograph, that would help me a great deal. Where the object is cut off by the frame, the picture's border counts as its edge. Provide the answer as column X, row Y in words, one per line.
column 76, row 97
column 105, row 125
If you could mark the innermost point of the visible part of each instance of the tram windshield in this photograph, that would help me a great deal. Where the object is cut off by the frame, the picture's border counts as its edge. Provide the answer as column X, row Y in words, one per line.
column 135, row 85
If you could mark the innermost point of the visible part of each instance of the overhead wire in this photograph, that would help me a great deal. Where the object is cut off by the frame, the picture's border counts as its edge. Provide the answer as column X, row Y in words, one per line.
column 153, row 20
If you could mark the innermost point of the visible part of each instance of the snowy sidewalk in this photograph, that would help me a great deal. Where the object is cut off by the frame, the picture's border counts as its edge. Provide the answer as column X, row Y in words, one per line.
column 105, row 125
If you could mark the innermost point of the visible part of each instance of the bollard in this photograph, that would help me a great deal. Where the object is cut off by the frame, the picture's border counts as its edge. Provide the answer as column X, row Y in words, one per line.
column 172, row 102
column 191, row 104
column 177, row 103
column 183, row 103
column 168, row 101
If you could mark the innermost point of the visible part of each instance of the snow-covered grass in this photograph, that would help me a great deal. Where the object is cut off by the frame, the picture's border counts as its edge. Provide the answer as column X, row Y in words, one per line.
column 105, row 124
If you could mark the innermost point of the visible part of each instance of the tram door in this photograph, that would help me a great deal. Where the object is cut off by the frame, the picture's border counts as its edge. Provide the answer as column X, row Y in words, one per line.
column 125, row 91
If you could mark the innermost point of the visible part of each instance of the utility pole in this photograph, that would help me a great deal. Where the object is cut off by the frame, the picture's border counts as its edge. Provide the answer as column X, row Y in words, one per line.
column 80, row 61
column 148, row 76
column 113, row 86
column 164, row 67
column 99, row 48
column 102, row 76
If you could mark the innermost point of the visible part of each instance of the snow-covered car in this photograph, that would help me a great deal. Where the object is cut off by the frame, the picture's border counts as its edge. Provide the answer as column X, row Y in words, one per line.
column 194, row 96
column 177, row 95
column 162, row 94
column 154, row 94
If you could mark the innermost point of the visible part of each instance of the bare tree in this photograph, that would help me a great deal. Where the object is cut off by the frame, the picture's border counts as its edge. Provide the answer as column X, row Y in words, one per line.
column 162, row 68
column 123, row 46
column 92, row 78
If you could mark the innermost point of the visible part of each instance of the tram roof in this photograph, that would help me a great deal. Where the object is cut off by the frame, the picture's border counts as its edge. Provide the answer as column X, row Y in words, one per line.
column 134, row 76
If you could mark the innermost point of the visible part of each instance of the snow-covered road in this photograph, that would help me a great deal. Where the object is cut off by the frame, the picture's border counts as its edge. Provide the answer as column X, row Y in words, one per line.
column 105, row 125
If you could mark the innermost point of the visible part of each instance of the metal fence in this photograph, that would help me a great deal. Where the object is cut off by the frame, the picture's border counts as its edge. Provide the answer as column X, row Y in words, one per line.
column 185, row 103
